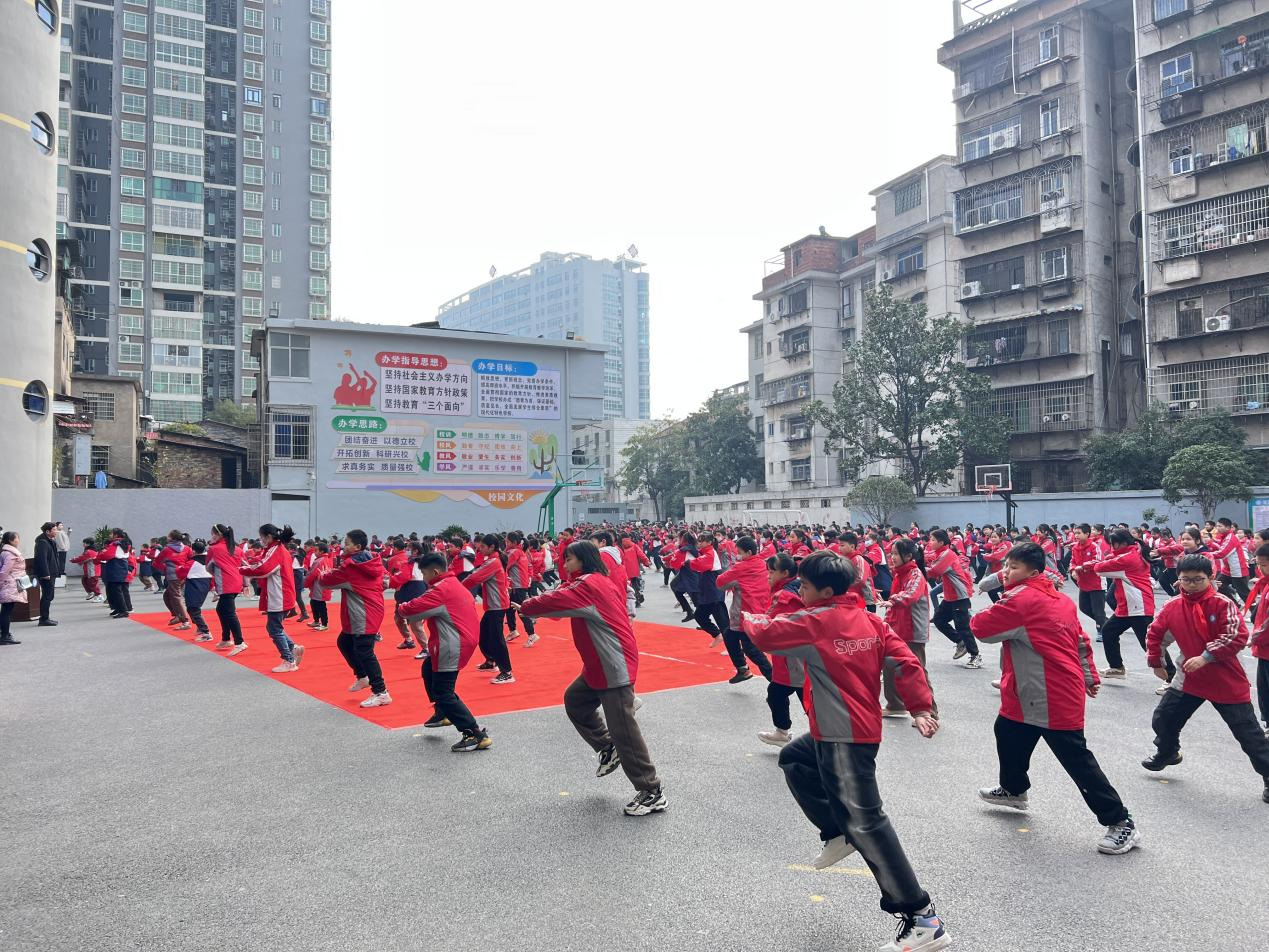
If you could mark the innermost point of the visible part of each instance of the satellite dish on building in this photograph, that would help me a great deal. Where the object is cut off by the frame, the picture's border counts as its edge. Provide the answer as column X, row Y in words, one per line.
column 492, row 271
column 633, row 251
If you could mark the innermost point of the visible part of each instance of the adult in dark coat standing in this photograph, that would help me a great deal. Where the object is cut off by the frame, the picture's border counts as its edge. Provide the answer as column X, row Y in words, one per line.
column 48, row 568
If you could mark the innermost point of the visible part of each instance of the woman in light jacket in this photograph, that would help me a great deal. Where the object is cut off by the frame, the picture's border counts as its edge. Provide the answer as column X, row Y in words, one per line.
column 12, row 570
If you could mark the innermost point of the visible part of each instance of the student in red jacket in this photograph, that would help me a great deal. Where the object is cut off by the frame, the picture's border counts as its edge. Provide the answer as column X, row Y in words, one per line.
column 519, row 579
column 222, row 563
column 788, row 675
column 1208, row 629
column 633, row 560
column 1129, row 573
column 610, row 662
column 995, row 549
column 944, row 565
column 1085, row 554
column 453, row 634
column 166, row 565
column 1168, row 551
column 908, row 615
column 318, row 596
column 1048, row 668
column 1260, row 632
column 491, row 578
column 751, row 592
column 361, row 608
column 831, row 771
column 1230, row 558
column 91, row 579
column 277, row 591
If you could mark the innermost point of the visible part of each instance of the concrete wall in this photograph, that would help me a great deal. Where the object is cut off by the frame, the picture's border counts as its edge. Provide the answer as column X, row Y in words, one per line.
column 28, row 211
column 144, row 513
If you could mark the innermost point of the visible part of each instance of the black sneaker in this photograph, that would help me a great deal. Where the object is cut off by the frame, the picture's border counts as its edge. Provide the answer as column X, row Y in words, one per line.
column 1157, row 762
column 6, row 640
column 609, row 760
column 486, row 666
column 437, row 720
column 469, row 741
column 741, row 675
column 645, row 802
column 406, row 645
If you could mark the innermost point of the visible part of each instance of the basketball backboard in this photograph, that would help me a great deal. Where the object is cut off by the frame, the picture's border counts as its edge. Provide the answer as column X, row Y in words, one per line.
column 994, row 478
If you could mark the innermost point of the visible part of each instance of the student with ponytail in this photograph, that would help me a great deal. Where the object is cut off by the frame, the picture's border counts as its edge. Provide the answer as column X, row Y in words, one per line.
column 277, row 591
column 1128, row 570
column 491, row 578
column 223, row 562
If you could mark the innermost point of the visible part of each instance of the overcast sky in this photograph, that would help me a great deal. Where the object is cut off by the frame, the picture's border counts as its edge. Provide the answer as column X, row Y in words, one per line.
column 707, row 134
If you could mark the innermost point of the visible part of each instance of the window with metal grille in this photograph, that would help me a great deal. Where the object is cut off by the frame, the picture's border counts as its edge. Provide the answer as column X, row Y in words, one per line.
column 99, row 459
column 907, row 196
column 290, row 435
column 100, row 405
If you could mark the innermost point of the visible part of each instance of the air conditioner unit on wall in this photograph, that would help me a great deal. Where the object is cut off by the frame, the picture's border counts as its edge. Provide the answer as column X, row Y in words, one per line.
column 1005, row 139
column 887, row 275
column 1215, row 323
column 971, row 289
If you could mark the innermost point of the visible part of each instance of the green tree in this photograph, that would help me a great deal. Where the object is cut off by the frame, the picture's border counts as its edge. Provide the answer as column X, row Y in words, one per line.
column 907, row 396
column 1137, row 457
column 452, row 530
column 880, row 496
column 190, row 429
column 1208, row 473
column 655, row 465
column 226, row 411
column 722, row 449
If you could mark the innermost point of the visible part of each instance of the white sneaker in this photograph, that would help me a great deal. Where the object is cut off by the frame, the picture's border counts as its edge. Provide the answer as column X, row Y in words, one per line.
column 532, row 640
column 919, row 933
column 224, row 645
column 960, row 651
column 377, row 700
column 834, row 851
column 999, row 796
column 1120, row 838
column 203, row 637
column 776, row 737
column 421, row 655
column 975, row 661
column 636, row 703
column 99, row 598
column 996, row 683
column 1161, row 690
column 286, row 667
column 237, row 649
column 1118, row 674
column 298, row 651
column 718, row 640
column 359, row 685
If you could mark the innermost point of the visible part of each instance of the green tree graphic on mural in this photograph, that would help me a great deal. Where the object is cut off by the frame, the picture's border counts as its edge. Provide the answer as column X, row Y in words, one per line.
column 424, row 460
column 542, row 456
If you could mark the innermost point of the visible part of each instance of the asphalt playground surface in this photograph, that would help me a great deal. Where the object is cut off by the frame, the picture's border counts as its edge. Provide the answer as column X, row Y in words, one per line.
column 158, row 797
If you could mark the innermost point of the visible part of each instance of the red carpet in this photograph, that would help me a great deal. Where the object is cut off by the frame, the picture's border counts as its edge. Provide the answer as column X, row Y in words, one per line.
column 670, row 657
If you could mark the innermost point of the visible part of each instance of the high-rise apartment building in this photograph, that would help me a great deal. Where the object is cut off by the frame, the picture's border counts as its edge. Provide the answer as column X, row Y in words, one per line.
column 573, row 296
column 28, row 105
column 1044, row 219
column 1202, row 80
column 194, row 183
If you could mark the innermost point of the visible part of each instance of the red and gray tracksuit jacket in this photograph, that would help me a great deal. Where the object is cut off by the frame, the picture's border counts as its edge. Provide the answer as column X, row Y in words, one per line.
column 601, row 630
column 747, row 578
column 360, row 581
column 909, row 611
column 1084, row 556
column 863, row 576
column 491, row 578
column 1230, row 556
column 791, row 672
column 223, row 564
column 845, row 649
column 1134, row 588
column 277, row 579
column 994, row 555
column 1260, row 622
column 519, row 571
column 171, row 558
column 1210, row 625
column 1046, row 657
column 632, row 556
column 313, row 580
column 452, row 629
column 612, row 558
column 948, row 567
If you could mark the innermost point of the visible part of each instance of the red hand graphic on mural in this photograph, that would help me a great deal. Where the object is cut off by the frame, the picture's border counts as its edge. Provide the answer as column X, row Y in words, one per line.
column 356, row 389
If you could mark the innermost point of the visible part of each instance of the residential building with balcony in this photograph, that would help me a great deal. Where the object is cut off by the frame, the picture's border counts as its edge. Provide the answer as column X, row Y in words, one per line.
column 194, row 181
column 1204, row 154
column 1048, row 264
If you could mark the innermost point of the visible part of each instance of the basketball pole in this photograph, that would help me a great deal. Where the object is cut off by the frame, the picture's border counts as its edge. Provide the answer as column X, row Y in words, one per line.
column 1010, row 508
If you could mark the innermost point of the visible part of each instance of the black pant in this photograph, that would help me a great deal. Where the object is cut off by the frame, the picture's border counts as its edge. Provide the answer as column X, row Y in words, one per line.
column 227, row 612
column 493, row 645
column 740, row 647
column 952, row 618
column 1167, row 581
column 712, row 617
column 440, row 688
column 519, row 595
column 1139, row 624
column 196, row 616
column 359, row 652
column 778, row 700
column 46, row 597
column 636, row 586
column 1262, row 688
column 299, row 593
column 1175, row 708
column 1093, row 604
column 1016, row 741
column 681, row 598
column 1234, row 587
column 836, row 787
column 320, row 615
column 6, row 613
column 117, row 597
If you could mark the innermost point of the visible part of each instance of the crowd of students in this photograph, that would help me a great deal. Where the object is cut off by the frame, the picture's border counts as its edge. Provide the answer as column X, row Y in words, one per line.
column 838, row 617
